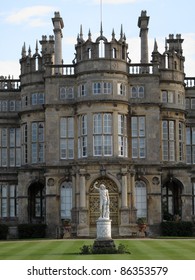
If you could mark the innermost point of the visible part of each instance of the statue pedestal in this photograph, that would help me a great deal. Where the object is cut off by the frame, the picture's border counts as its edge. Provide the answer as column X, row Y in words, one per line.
column 103, row 228
column 104, row 243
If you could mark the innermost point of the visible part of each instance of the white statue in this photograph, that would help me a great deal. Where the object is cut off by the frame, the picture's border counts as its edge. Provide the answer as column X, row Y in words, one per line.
column 104, row 200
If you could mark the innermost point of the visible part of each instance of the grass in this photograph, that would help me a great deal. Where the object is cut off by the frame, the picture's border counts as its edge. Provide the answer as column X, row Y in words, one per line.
column 141, row 249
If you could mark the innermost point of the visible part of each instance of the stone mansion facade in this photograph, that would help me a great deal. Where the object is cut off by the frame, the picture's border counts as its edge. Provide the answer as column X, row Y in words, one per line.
column 101, row 118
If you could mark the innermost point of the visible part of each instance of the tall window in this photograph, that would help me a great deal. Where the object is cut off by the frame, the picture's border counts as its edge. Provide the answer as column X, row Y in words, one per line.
column 168, row 138
column 8, row 201
column 121, row 89
column 141, row 199
column 4, row 106
column 102, row 134
column 181, row 141
column 38, row 139
column 171, row 198
column 66, row 200
column 82, row 138
column 122, row 135
column 114, row 52
column 138, row 135
column 24, row 143
column 36, row 203
column 10, row 147
column 101, row 49
column 82, row 90
column 12, row 105
column 89, row 53
column 190, row 145
column 67, row 138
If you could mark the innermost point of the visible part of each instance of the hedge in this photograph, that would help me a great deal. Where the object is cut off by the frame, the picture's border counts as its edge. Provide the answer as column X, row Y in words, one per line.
column 171, row 228
column 3, row 231
column 31, row 230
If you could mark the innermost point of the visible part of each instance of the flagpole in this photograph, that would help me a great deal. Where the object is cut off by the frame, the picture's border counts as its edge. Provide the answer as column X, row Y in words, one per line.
column 101, row 11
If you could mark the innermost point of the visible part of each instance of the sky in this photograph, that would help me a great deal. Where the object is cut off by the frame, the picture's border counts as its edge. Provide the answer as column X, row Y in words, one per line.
column 26, row 21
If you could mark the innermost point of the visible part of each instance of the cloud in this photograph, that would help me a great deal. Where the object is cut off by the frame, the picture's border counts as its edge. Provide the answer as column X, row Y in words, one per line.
column 10, row 68
column 117, row 1
column 112, row 2
column 33, row 16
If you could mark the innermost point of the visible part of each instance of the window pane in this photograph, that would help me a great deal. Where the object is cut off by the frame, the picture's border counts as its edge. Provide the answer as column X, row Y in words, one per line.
column 63, row 149
column 141, row 199
column 63, row 127
column 97, row 123
column 107, row 124
column 66, row 200
column 107, row 145
column 134, row 127
column 97, row 145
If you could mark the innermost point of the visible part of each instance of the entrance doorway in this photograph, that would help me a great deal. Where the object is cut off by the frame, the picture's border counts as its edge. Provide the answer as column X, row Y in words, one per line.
column 36, row 202
column 171, row 199
column 94, row 201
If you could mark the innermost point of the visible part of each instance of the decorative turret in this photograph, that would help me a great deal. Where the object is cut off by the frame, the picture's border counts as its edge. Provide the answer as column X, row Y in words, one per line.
column 101, row 48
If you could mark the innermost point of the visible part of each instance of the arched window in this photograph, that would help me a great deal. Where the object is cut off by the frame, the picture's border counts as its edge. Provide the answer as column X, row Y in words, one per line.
column 101, row 49
column 36, row 206
column 141, row 92
column 89, row 53
column 141, row 199
column 134, row 92
column 114, row 53
column 66, row 200
column 171, row 198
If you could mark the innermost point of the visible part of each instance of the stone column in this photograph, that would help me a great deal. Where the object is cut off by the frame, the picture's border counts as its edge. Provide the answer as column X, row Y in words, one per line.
column 83, row 227
column 82, row 189
column 74, row 210
column 23, row 177
column 124, row 188
column 143, row 25
column 52, row 208
column 133, row 198
column 58, row 26
column 124, row 229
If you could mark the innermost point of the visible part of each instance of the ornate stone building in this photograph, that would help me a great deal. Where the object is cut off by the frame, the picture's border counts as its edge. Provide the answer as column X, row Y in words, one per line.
column 102, row 118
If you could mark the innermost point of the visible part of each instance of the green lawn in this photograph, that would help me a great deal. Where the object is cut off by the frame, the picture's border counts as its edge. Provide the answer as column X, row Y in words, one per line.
column 140, row 249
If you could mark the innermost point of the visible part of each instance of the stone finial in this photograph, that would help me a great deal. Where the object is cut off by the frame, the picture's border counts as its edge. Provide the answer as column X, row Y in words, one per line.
column 89, row 35
column 24, row 50
column 121, row 34
column 36, row 48
column 29, row 51
column 113, row 34
column 155, row 46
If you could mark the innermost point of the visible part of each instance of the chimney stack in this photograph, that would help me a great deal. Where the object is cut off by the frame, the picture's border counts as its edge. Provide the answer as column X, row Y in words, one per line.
column 143, row 25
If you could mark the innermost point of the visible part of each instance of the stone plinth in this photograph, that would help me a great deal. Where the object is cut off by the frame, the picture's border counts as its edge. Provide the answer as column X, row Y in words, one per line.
column 103, row 228
column 104, row 243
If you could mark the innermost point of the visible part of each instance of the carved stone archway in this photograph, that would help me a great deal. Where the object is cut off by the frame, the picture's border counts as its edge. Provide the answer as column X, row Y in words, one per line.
column 94, row 201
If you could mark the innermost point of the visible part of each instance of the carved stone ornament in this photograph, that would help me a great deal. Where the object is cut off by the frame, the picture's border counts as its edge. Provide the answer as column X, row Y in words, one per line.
column 50, row 182
column 155, row 180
